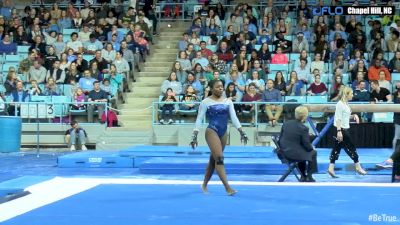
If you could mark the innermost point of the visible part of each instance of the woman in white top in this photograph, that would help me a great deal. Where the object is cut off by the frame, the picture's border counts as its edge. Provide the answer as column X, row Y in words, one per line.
column 108, row 53
column 383, row 83
column 172, row 82
column 218, row 110
column 343, row 140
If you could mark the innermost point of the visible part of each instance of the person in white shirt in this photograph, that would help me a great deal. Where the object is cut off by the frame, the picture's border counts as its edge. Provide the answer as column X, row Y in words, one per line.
column 342, row 138
column 84, row 34
column 75, row 44
column 303, row 71
column 37, row 72
column 121, row 64
column 108, row 53
column 300, row 43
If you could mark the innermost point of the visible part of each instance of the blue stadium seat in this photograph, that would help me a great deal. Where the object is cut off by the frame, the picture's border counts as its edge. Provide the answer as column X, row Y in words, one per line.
column 299, row 99
column 69, row 31
column 383, row 117
column 278, row 67
column 124, row 31
column 345, row 78
column 317, row 99
column 12, row 59
column 23, row 49
column 66, row 88
column 88, row 57
column 41, row 98
column 2, row 89
column 205, row 38
column 213, row 48
column 7, row 66
column 395, row 77
column 257, row 47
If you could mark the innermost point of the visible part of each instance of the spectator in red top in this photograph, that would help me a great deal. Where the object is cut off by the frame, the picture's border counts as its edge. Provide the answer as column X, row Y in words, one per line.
column 224, row 53
column 373, row 71
column 205, row 51
column 279, row 57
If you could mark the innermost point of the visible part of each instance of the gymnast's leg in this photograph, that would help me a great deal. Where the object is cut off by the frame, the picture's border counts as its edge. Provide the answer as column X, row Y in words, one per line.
column 211, row 166
column 215, row 144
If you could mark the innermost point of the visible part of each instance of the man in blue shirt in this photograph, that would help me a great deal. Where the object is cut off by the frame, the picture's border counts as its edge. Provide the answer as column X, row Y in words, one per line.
column 272, row 95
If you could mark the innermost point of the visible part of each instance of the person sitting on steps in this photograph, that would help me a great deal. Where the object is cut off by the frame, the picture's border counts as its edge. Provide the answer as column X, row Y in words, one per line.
column 76, row 136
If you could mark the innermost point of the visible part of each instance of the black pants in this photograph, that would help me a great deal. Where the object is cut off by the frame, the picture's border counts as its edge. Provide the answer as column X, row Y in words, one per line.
column 307, row 168
column 348, row 146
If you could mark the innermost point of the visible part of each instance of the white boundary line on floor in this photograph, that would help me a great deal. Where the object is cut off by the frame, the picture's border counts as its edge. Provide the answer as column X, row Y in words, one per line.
column 59, row 188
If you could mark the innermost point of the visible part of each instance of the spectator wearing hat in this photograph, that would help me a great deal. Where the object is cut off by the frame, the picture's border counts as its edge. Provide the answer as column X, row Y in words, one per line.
column 300, row 43
column 281, row 42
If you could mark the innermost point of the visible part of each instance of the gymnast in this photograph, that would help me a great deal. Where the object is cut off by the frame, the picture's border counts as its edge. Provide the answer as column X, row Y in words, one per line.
column 218, row 109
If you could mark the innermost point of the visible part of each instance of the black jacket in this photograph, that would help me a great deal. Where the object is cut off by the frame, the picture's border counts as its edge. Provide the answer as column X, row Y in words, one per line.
column 295, row 141
column 396, row 116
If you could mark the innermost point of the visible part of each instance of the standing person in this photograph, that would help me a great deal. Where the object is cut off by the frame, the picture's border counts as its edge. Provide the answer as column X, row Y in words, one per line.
column 218, row 110
column 343, row 140
column 296, row 145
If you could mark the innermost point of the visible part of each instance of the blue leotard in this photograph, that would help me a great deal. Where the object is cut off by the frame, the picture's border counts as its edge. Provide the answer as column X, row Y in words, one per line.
column 218, row 113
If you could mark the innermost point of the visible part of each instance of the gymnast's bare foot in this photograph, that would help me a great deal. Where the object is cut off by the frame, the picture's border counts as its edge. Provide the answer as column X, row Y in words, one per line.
column 231, row 192
column 204, row 188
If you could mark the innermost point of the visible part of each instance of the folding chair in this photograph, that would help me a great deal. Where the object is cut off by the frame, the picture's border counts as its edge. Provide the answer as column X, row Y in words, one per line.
column 292, row 165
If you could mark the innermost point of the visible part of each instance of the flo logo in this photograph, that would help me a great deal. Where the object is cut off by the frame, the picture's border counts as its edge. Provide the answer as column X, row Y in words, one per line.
column 328, row 10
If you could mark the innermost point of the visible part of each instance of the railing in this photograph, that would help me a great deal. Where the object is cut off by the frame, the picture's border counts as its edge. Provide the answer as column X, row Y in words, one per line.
column 42, row 111
column 259, row 109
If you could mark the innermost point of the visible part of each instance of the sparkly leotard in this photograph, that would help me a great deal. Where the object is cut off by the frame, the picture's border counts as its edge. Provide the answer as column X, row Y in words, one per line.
column 218, row 114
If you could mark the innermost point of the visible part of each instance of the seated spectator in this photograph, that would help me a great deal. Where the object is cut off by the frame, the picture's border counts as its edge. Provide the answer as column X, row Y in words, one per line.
column 215, row 76
column 251, row 96
column 102, row 64
column 77, row 20
column 294, row 87
column 72, row 74
column 317, row 64
column 17, row 95
column 76, row 136
column 207, row 53
column 200, row 60
column 84, row 34
column 383, row 82
column 71, row 56
column 321, row 46
column 184, row 61
column 191, row 80
column 75, row 44
column 361, row 93
column 7, row 46
column 373, row 71
column 189, row 99
column 181, row 75
column 11, row 82
column 238, row 80
column 108, row 53
column 79, row 97
column 357, row 55
column 37, row 72
column 265, row 36
column 394, row 64
column 379, row 54
column 231, row 93
column 379, row 94
column 114, row 30
column 303, row 71
column 264, row 54
column 56, row 73
column 317, row 87
column 336, row 86
column 360, row 77
column 35, row 90
column 190, row 52
column 50, row 38
column 279, row 57
column 64, row 22
column 97, row 96
column 92, row 45
column 169, row 97
column 81, row 63
column 340, row 63
column 241, row 62
column 116, row 45
column 271, row 94
column 219, row 64
column 280, row 83
column 282, row 43
column 182, row 44
column 172, row 83
column 20, row 36
column 255, row 78
column 378, row 42
column 39, row 46
column 295, row 143
column 300, row 43
column 51, row 88
column 394, row 41
column 194, row 39
column 224, row 53
column 200, row 74
column 87, row 81
column 50, row 57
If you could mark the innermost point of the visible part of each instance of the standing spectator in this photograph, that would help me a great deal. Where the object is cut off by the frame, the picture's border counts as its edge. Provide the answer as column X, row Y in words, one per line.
column 76, row 136
column 97, row 96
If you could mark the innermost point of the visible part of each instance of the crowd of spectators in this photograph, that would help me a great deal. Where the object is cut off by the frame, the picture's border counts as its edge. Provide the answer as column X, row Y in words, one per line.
column 269, row 53
column 87, row 53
